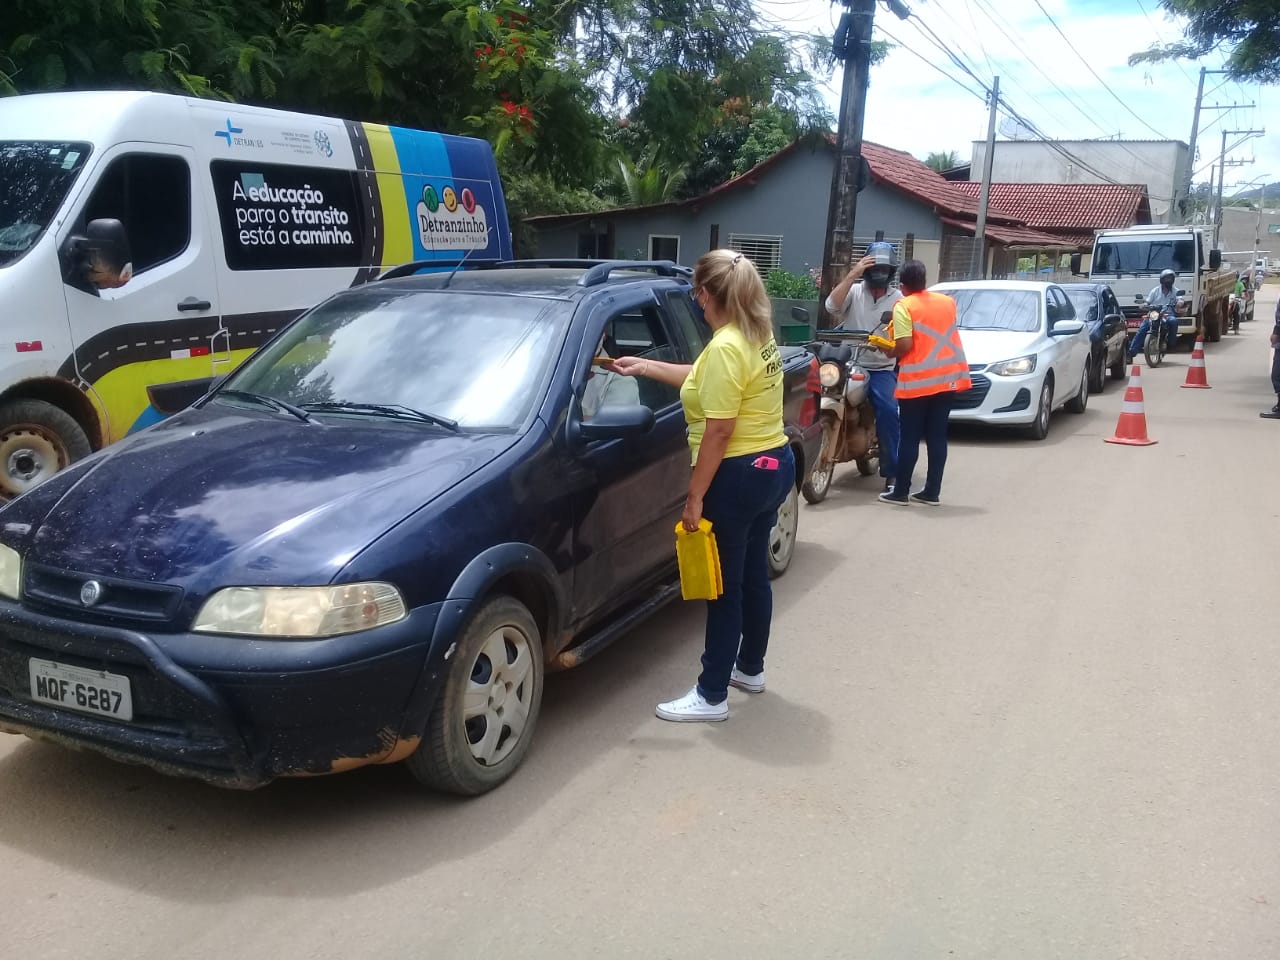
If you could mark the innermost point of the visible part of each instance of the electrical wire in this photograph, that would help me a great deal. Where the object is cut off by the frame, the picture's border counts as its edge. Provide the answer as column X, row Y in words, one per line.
column 1089, row 67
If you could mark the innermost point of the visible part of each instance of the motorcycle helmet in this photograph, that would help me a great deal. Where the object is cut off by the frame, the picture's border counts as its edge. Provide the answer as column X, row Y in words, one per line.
column 880, row 275
column 1167, row 277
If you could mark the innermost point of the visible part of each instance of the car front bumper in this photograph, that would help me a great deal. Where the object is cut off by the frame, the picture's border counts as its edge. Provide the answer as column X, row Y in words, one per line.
column 235, row 711
column 998, row 400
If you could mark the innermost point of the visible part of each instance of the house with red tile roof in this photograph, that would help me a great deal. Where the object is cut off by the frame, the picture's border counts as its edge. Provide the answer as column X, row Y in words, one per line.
column 776, row 214
column 1069, row 211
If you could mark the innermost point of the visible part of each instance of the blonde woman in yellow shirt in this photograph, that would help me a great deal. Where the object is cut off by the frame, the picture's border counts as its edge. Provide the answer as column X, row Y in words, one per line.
column 742, row 471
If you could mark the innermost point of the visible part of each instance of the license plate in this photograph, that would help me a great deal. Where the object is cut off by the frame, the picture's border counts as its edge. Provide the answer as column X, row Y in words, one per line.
column 1134, row 324
column 75, row 688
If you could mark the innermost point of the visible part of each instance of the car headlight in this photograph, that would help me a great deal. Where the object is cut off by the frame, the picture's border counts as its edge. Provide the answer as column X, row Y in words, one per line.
column 829, row 374
column 300, row 612
column 10, row 572
column 1014, row 368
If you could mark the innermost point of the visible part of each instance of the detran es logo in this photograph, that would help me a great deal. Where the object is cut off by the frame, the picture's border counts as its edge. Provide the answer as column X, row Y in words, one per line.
column 228, row 133
column 323, row 144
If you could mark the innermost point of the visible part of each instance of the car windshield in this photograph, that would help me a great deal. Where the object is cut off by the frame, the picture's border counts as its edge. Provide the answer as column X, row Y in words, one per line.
column 34, row 179
column 1085, row 302
column 1144, row 257
column 477, row 359
column 995, row 309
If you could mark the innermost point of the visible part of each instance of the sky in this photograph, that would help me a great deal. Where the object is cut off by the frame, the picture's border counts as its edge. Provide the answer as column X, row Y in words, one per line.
column 913, row 107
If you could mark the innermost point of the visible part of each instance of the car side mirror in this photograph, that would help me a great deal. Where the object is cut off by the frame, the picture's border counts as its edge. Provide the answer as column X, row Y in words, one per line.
column 1065, row 328
column 1076, row 260
column 98, row 259
column 1215, row 259
column 613, row 423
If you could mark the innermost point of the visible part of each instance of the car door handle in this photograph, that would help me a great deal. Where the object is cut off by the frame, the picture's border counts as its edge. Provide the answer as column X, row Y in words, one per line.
column 191, row 303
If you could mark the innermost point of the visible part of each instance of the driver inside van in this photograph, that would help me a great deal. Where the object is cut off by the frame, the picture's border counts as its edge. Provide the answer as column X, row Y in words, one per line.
column 604, row 387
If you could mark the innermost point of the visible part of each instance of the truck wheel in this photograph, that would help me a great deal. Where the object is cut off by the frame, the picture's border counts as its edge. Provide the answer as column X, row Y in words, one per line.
column 1213, row 325
column 483, row 720
column 37, row 440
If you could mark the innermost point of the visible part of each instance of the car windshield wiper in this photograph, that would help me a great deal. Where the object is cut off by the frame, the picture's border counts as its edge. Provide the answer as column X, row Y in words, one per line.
column 396, row 410
column 275, row 403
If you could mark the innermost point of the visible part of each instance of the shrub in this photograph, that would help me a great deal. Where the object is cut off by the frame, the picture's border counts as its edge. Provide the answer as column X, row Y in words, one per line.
column 784, row 284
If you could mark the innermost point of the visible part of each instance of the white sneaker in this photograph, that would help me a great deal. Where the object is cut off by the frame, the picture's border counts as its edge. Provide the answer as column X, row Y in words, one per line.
column 750, row 682
column 693, row 708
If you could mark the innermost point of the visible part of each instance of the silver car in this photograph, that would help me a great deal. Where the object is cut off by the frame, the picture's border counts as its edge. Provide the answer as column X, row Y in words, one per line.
column 1028, row 353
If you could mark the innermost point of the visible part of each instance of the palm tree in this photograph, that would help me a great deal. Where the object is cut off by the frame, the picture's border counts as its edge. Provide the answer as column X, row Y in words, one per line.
column 645, row 181
column 942, row 161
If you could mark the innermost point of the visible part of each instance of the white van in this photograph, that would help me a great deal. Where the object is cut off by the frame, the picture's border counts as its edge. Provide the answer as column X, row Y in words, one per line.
column 150, row 242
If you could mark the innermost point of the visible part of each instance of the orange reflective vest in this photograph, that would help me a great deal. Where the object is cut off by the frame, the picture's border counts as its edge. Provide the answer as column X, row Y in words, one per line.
column 936, row 363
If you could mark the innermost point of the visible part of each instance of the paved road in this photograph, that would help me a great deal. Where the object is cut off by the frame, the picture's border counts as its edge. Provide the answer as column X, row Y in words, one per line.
column 1041, row 723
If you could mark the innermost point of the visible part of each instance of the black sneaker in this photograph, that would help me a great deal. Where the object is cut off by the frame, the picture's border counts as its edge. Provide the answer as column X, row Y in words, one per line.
column 928, row 498
column 1272, row 414
column 890, row 497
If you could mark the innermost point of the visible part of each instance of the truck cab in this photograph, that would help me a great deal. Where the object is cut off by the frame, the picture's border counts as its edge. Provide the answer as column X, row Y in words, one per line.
column 1131, row 260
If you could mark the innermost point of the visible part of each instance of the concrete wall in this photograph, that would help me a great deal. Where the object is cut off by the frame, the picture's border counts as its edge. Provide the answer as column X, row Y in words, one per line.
column 789, row 201
column 1239, row 229
column 1157, row 163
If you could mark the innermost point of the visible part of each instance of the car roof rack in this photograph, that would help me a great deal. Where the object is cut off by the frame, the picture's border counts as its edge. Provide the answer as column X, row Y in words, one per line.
column 595, row 272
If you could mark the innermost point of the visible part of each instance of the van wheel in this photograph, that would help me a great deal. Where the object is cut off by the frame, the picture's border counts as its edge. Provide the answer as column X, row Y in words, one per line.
column 483, row 720
column 36, row 441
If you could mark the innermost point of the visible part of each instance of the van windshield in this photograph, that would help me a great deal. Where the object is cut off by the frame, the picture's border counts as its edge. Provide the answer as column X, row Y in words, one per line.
column 34, row 179
column 1144, row 257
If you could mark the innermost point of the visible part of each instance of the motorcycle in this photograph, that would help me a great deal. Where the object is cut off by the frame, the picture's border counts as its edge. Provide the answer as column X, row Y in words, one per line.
column 1158, row 341
column 845, row 411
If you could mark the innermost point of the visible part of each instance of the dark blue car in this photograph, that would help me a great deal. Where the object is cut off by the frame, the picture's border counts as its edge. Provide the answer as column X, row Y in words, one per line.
column 369, row 543
column 1097, row 306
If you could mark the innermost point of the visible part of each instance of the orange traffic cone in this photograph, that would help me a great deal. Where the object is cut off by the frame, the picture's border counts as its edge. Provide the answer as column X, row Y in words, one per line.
column 1131, row 429
column 1196, row 376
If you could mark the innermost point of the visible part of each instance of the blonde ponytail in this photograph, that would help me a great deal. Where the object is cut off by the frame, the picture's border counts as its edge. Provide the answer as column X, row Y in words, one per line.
column 733, row 282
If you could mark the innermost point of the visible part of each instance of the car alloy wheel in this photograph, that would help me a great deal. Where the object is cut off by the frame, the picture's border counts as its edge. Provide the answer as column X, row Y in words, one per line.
column 782, row 538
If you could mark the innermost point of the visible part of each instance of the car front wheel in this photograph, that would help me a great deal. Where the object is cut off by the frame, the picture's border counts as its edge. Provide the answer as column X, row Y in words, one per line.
column 1039, row 428
column 484, row 718
column 782, row 538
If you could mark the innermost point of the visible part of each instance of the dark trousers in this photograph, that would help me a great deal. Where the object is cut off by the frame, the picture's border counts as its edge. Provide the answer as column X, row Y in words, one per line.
column 1275, row 371
column 742, row 505
column 923, row 418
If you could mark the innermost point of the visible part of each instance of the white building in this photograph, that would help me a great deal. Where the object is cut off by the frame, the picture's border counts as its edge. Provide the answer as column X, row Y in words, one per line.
column 1160, row 164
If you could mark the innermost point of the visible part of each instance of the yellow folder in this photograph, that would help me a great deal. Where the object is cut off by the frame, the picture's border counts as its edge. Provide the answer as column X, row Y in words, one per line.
column 699, row 559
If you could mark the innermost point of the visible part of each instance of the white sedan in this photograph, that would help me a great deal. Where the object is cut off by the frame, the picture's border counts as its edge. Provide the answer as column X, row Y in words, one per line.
column 1028, row 353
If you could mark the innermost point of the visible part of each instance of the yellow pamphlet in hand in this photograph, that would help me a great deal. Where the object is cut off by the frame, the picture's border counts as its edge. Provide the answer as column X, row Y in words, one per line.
column 878, row 341
column 699, row 560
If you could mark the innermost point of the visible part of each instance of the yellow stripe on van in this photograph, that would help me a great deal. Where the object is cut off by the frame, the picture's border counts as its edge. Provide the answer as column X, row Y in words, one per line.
column 397, row 243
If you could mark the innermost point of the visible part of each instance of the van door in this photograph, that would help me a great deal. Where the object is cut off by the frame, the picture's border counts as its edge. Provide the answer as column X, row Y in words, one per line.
column 159, row 328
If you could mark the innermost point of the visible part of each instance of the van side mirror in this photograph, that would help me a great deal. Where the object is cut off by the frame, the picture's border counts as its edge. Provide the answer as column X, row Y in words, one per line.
column 1076, row 260
column 98, row 259
column 1215, row 259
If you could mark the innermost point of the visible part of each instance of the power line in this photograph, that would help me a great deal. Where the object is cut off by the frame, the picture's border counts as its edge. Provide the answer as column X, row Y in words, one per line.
column 1088, row 67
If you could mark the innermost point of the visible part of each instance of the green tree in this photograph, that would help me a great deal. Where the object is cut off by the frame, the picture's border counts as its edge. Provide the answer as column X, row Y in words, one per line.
column 647, row 181
column 942, row 161
column 1247, row 30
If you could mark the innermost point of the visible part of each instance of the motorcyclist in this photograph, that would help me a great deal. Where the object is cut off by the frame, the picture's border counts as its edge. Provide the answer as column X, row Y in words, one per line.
column 863, row 301
column 1165, row 299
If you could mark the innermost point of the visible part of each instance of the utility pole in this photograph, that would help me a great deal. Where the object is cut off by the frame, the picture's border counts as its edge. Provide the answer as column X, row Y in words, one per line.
column 1222, row 176
column 984, row 194
column 846, row 179
column 1182, row 192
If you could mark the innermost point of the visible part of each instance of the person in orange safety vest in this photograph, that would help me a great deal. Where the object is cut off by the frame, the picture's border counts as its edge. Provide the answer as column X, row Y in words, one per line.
column 932, row 370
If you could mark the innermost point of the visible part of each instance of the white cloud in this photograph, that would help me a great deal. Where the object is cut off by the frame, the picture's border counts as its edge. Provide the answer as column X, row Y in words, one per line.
column 912, row 107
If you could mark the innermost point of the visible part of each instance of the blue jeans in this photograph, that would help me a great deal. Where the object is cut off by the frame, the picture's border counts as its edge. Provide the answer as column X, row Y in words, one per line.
column 742, row 505
column 1140, row 338
column 888, row 430
column 923, row 418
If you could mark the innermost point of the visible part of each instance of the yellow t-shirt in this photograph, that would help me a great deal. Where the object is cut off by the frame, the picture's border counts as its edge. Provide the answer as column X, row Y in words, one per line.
column 734, row 380
column 902, row 326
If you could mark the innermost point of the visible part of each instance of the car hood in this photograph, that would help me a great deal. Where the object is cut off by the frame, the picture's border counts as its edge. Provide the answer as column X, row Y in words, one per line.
column 982, row 347
column 233, row 497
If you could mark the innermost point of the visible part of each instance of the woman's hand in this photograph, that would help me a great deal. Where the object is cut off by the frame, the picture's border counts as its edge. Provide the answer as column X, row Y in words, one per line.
column 692, row 512
column 629, row 366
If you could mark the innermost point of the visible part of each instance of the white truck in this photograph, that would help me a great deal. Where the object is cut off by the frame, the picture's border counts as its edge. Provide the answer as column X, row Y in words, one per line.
column 1131, row 260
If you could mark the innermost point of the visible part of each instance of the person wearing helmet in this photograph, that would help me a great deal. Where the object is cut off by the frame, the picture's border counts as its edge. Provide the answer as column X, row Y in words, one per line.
column 864, row 301
column 1165, row 299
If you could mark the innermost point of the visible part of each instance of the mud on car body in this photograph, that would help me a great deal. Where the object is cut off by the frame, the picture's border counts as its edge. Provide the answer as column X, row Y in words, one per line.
column 370, row 542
